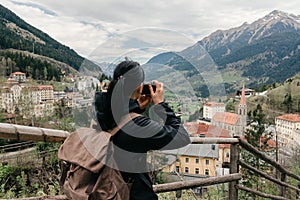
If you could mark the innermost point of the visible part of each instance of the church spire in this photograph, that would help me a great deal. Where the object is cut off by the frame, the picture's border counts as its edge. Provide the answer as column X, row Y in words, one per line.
column 243, row 98
column 242, row 113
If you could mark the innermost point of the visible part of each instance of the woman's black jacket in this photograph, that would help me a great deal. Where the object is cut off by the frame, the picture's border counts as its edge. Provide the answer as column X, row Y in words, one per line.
column 140, row 135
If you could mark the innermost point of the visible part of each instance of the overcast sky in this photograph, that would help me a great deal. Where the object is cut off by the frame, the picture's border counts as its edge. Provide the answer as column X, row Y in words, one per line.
column 86, row 25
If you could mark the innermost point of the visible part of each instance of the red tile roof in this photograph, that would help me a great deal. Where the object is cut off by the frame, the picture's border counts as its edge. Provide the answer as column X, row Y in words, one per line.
column 191, row 127
column 226, row 118
column 290, row 117
column 42, row 87
column 18, row 73
column 212, row 131
column 271, row 143
column 213, row 104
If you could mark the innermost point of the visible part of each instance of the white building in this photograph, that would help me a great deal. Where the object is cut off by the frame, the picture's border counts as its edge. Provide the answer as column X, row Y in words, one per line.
column 27, row 100
column 288, row 130
column 58, row 95
column 10, row 97
column 18, row 76
column 211, row 108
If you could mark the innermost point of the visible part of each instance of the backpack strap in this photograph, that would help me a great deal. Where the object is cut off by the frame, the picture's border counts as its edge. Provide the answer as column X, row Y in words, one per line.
column 124, row 121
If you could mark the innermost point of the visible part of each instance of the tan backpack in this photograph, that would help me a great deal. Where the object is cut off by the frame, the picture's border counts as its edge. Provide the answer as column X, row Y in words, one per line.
column 88, row 170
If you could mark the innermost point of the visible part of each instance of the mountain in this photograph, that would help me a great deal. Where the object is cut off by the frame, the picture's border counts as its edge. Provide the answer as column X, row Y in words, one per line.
column 263, row 52
column 15, row 33
column 232, row 39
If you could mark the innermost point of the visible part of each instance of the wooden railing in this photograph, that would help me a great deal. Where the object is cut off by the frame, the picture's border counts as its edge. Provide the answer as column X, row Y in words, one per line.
column 25, row 133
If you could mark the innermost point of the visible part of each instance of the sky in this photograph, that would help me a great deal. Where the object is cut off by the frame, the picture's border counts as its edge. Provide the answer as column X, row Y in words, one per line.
column 155, row 25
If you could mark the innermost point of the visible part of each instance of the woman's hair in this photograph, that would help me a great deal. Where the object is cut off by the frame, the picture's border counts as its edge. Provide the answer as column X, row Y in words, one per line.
column 128, row 75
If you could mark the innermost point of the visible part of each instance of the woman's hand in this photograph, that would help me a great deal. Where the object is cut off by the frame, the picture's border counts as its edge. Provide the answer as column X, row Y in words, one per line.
column 158, row 95
column 143, row 101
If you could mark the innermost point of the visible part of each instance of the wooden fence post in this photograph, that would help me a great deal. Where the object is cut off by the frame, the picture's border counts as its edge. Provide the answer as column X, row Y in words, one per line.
column 298, row 193
column 283, row 188
column 234, row 168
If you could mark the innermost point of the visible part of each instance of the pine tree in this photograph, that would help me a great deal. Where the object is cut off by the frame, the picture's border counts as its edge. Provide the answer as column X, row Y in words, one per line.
column 257, row 136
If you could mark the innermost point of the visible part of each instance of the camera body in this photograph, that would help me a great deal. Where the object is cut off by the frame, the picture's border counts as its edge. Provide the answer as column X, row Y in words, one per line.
column 146, row 90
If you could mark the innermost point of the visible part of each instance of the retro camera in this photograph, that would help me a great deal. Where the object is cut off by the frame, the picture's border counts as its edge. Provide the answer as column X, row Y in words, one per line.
column 146, row 90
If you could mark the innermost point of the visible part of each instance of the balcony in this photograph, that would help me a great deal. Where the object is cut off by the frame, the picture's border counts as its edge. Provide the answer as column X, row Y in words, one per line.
column 286, row 191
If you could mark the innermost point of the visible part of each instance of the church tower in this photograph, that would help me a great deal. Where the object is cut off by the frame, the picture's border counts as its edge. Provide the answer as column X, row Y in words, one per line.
column 242, row 113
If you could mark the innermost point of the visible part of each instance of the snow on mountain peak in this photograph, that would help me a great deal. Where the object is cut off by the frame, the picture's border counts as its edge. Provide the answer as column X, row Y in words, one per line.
column 276, row 21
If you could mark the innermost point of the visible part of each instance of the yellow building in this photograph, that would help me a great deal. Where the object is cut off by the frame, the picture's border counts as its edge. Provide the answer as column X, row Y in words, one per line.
column 196, row 159
column 46, row 92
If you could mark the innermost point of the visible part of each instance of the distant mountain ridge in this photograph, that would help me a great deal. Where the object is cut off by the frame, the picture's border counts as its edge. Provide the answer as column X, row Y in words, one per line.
column 15, row 33
column 275, row 22
column 263, row 52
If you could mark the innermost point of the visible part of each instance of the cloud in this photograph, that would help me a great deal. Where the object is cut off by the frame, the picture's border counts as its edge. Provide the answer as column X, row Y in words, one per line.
column 140, row 44
column 33, row 5
column 84, row 25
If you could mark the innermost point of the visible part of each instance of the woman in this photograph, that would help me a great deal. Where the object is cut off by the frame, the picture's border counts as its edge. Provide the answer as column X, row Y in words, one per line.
column 141, row 134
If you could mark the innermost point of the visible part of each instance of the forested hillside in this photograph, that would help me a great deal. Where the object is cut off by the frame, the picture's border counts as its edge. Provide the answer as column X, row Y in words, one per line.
column 15, row 33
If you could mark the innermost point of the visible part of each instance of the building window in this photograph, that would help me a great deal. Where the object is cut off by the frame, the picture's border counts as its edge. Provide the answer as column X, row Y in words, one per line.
column 213, row 147
column 196, row 170
column 187, row 160
column 207, row 162
column 177, row 169
column 207, row 172
column 197, row 160
column 227, row 155
column 186, row 170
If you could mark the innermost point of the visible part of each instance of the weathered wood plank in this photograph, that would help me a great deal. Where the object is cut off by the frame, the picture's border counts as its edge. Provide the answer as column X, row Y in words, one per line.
column 266, row 158
column 234, row 168
column 7, row 131
column 261, row 194
column 198, row 140
column 28, row 133
column 180, row 185
column 266, row 176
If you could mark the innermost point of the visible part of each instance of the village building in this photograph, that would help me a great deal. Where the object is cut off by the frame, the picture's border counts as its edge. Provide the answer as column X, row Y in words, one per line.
column 234, row 123
column 18, row 77
column 194, row 159
column 211, row 108
column 209, row 131
column 46, row 92
column 206, row 130
column 27, row 100
column 10, row 97
column 248, row 92
column 288, row 130
column 58, row 95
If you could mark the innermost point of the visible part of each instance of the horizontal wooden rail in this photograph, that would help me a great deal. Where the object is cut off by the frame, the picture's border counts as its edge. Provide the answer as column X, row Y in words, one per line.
column 180, row 185
column 15, row 144
column 58, row 197
column 28, row 133
column 16, row 147
column 266, row 158
column 167, row 187
column 199, row 140
column 266, row 176
column 261, row 194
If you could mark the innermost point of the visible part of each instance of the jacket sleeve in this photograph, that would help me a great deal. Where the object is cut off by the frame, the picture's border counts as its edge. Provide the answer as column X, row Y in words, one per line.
column 172, row 128
column 144, row 134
